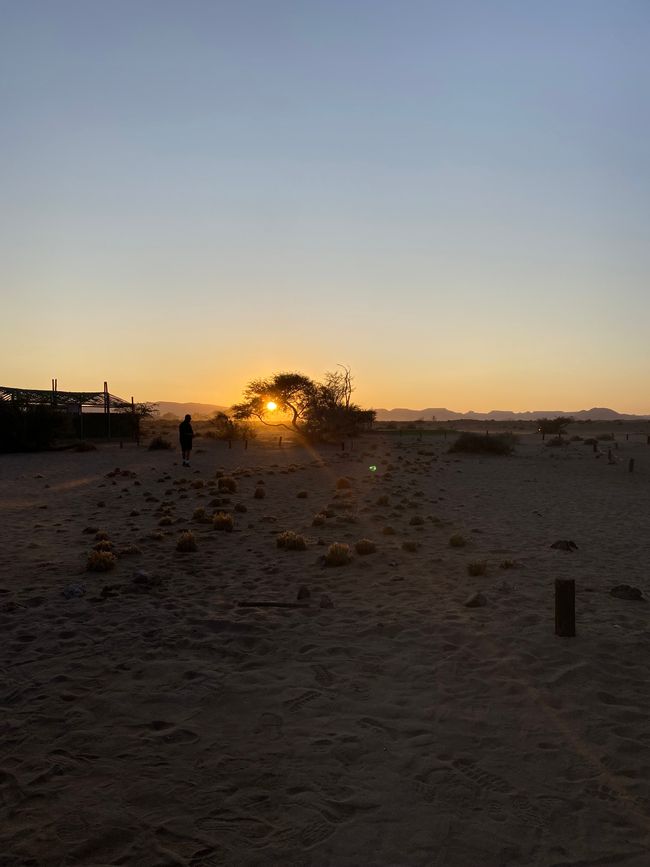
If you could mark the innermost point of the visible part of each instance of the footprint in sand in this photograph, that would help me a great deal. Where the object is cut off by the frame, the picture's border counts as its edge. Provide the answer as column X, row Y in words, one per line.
column 483, row 779
column 366, row 722
column 322, row 675
column 294, row 704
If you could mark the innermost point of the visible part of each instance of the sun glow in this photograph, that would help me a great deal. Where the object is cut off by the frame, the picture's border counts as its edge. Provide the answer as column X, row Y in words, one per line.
column 271, row 405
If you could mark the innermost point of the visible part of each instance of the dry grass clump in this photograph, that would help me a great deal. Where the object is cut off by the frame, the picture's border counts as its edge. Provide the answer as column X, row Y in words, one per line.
column 383, row 500
column 477, row 567
column 508, row 564
column 100, row 535
column 260, row 493
column 228, row 484
column 200, row 514
column 165, row 521
column 338, row 554
column 159, row 444
column 416, row 521
column 479, row 444
column 104, row 545
column 240, row 507
column 365, row 546
column 319, row 519
column 101, row 561
column 410, row 545
column 291, row 541
column 129, row 551
column 342, row 483
column 197, row 483
column 223, row 521
column 302, row 495
column 85, row 447
column 388, row 531
column 186, row 541
column 457, row 540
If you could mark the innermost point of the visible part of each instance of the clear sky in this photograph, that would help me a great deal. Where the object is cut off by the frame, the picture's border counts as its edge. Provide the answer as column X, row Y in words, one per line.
column 451, row 197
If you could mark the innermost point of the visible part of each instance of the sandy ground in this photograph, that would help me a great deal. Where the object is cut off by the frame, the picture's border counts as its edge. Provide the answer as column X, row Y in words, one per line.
column 159, row 721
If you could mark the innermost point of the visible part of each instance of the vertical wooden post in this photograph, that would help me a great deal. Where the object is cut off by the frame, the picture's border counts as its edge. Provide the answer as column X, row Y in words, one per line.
column 107, row 410
column 81, row 420
column 630, row 466
column 565, row 607
column 627, row 436
column 229, row 444
column 279, row 442
column 343, row 446
column 595, row 446
column 245, row 444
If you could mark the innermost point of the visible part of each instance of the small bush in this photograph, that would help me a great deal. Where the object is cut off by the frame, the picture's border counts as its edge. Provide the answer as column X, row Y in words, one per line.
column 291, row 541
column 555, row 442
column 479, row 444
column 477, row 567
column 200, row 514
column 165, row 521
column 223, row 521
column 85, row 447
column 104, row 545
column 260, row 493
column 388, row 531
column 100, row 561
column 507, row 564
column 365, row 546
column 100, row 535
column 318, row 520
column 343, row 483
column 383, row 500
column 409, row 545
column 228, row 484
column 338, row 554
column 302, row 495
column 457, row 541
column 129, row 551
column 186, row 542
column 159, row 444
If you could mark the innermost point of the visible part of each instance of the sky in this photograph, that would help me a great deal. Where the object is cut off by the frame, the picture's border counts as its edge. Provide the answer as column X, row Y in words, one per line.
column 452, row 197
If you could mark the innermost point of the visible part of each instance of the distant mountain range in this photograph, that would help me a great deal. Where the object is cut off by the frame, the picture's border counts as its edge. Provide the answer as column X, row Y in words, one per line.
column 597, row 413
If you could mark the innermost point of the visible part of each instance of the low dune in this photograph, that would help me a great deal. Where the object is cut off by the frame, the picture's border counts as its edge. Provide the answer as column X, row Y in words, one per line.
column 192, row 674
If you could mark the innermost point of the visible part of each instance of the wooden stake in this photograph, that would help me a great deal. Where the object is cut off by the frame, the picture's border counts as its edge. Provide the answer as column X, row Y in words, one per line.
column 565, row 607
column 630, row 466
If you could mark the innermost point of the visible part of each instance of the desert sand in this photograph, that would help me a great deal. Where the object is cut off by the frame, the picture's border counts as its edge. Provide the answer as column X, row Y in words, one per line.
column 166, row 717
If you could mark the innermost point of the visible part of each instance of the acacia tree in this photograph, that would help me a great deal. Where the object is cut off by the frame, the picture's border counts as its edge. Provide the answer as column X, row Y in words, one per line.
column 316, row 410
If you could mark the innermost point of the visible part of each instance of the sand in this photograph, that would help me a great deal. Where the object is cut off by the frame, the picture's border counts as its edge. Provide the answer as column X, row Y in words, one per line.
column 159, row 721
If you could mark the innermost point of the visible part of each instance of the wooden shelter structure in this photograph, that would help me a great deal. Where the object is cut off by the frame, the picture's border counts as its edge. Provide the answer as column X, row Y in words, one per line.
column 89, row 411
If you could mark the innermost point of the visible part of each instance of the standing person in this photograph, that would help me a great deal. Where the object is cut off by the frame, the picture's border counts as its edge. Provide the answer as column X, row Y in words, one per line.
column 186, row 435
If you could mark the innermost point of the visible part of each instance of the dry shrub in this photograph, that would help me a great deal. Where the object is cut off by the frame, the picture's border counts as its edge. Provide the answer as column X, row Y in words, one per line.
column 101, row 561
column 129, row 551
column 228, row 484
column 100, row 535
column 388, row 531
column 338, row 554
column 291, row 541
column 165, row 521
column 260, row 493
column 507, row 564
column 159, row 444
column 416, row 521
column 477, row 567
column 457, row 540
column 240, row 507
column 383, row 500
column 302, row 495
column 409, row 545
column 318, row 520
column 186, row 541
column 342, row 483
column 223, row 521
column 197, row 483
column 104, row 545
column 365, row 546
column 200, row 514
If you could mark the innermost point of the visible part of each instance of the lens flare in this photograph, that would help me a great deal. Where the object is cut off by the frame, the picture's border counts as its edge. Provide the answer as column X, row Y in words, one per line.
column 271, row 405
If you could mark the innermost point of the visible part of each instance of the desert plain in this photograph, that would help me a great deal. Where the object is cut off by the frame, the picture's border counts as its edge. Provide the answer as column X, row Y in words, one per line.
column 248, row 704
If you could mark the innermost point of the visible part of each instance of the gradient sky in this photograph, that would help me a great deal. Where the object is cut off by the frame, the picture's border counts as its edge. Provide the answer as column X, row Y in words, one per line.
column 450, row 197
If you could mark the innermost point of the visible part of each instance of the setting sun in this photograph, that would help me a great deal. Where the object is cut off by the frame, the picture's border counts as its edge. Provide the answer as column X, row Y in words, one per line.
column 271, row 405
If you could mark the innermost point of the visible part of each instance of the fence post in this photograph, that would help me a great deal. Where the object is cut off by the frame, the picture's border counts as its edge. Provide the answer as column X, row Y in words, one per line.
column 565, row 607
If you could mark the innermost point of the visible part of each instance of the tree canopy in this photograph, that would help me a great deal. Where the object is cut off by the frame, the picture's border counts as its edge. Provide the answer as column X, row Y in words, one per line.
column 318, row 410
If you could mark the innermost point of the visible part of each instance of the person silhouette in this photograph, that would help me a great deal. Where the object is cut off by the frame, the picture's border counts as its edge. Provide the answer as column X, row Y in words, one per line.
column 186, row 434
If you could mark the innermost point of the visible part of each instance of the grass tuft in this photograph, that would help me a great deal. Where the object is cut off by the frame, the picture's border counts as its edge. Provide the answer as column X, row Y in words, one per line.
column 291, row 541
column 100, row 561
column 186, row 542
column 457, row 540
column 365, row 546
column 338, row 554
column 223, row 521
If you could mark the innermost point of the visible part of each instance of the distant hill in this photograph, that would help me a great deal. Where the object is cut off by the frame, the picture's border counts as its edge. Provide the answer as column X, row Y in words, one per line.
column 596, row 413
column 198, row 411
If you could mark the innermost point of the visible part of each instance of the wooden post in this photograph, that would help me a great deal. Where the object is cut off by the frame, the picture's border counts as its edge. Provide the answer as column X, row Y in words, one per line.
column 596, row 446
column 630, row 466
column 649, row 440
column 229, row 444
column 279, row 442
column 343, row 446
column 627, row 436
column 107, row 410
column 565, row 607
column 245, row 444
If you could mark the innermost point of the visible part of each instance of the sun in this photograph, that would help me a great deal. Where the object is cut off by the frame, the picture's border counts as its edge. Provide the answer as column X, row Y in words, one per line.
column 271, row 405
